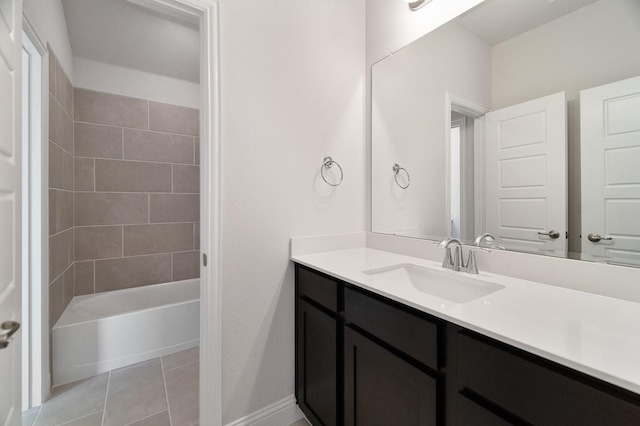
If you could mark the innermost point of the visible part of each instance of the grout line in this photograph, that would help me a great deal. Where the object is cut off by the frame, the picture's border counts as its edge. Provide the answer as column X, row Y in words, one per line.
column 61, row 232
column 94, row 176
column 59, row 146
column 149, row 207
column 61, row 274
column 166, row 394
column 164, row 253
column 79, row 418
column 129, row 160
column 182, row 365
column 130, row 192
column 106, row 395
column 137, row 128
column 148, row 417
column 122, row 240
column 172, row 178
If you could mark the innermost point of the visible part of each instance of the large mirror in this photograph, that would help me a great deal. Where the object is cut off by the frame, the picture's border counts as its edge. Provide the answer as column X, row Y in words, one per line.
column 520, row 118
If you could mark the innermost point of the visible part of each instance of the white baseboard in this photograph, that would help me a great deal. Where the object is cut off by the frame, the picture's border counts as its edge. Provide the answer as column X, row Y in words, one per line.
column 280, row 413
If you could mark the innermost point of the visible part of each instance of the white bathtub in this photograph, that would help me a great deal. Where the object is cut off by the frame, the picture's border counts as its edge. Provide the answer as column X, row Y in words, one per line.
column 100, row 332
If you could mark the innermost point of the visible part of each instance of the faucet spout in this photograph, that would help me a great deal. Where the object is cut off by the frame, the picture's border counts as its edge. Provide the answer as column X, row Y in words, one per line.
column 451, row 261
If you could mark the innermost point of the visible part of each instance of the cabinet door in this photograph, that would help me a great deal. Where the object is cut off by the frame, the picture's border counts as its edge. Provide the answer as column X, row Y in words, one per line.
column 316, row 364
column 382, row 389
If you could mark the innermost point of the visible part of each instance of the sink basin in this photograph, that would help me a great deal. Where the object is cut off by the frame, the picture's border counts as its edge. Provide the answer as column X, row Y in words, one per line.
column 449, row 285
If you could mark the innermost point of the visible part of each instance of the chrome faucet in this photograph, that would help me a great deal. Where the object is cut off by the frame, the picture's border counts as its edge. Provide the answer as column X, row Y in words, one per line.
column 488, row 238
column 450, row 262
column 456, row 262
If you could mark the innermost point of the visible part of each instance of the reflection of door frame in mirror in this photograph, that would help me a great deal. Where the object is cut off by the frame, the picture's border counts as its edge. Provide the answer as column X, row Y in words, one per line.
column 470, row 108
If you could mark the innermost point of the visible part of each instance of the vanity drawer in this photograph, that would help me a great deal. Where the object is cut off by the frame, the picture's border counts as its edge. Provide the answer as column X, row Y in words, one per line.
column 538, row 391
column 318, row 288
column 407, row 332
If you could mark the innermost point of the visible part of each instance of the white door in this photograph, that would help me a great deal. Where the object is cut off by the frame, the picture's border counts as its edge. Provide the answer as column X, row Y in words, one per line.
column 526, row 175
column 610, row 150
column 10, row 142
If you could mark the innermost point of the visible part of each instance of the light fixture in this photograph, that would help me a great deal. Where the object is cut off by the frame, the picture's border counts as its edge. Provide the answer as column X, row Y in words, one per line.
column 416, row 4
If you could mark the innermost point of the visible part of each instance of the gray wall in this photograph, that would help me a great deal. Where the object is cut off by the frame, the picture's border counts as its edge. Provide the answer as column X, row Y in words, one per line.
column 61, row 250
column 124, row 192
column 137, row 192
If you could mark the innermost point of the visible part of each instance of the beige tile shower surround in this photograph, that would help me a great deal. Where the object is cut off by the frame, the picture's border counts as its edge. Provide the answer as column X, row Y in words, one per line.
column 124, row 192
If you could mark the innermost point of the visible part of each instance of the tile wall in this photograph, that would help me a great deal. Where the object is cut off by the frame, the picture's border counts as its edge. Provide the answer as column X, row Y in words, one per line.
column 137, row 192
column 124, row 192
column 61, row 247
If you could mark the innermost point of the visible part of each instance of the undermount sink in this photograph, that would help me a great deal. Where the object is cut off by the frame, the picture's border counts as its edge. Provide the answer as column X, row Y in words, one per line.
column 452, row 286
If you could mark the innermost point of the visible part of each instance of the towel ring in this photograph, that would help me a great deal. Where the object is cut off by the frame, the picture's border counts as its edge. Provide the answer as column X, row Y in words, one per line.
column 327, row 163
column 396, row 171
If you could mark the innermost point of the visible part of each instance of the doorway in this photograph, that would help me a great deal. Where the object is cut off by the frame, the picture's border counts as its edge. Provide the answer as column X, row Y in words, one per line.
column 35, row 381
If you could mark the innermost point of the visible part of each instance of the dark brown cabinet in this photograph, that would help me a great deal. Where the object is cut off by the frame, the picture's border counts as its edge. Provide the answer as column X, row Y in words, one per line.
column 318, row 348
column 382, row 389
column 317, row 369
column 364, row 360
column 521, row 388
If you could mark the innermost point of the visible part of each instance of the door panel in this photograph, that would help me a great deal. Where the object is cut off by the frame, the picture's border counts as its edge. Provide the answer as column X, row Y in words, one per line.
column 610, row 150
column 526, row 176
column 382, row 389
column 317, row 364
column 10, row 55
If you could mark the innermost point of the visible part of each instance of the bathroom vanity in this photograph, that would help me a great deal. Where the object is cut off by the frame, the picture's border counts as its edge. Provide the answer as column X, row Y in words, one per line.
column 373, row 347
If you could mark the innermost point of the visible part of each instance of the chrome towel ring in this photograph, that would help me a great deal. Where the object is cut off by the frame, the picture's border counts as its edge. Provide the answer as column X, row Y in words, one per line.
column 396, row 171
column 327, row 163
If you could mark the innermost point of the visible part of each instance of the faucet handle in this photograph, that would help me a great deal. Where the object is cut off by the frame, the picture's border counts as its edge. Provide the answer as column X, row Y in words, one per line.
column 472, row 266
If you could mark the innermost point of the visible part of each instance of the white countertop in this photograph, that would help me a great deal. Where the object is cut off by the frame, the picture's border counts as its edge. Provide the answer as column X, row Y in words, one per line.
column 597, row 335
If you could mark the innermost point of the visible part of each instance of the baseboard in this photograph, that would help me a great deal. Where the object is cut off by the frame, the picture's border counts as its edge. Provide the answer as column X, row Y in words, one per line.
column 280, row 413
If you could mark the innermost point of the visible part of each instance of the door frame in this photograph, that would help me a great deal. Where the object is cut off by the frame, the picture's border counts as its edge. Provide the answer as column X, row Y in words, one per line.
column 470, row 108
column 37, row 332
column 207, row 11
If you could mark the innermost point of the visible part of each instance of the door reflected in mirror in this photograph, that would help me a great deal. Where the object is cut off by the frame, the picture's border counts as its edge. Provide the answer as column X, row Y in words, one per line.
column 520, row 118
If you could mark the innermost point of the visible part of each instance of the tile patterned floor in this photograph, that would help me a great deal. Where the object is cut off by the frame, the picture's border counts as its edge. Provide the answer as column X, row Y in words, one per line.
column 159, row 392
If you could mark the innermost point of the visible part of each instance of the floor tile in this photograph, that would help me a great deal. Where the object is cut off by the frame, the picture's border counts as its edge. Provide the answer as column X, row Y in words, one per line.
column 94, row 419
column 135, row 392
column 73, row 401
column 29, row 416
column 182, row 391
column 160, row 419
column 178, row 359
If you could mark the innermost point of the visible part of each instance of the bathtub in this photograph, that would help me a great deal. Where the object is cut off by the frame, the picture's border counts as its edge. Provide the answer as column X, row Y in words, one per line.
column 103, row 331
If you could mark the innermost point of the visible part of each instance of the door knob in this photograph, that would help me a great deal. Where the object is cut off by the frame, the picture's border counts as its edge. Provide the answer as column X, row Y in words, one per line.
column 595, row 238
column 7, row 329
column 553, row 234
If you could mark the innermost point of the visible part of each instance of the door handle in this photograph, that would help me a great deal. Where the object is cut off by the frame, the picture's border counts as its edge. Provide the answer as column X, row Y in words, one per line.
column 551, row 234
column 595, row 238
column 7, row 329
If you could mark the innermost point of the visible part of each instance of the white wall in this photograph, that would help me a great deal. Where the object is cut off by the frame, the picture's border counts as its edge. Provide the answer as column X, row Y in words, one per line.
column 47, row 18
column 391, row 25
column 292, row 87
column 594, row 45
column 102, row 77
column 408, row 116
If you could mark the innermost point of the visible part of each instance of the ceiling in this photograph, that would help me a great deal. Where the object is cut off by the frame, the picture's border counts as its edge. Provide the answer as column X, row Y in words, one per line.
column 120, row 32
column 524, row 15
